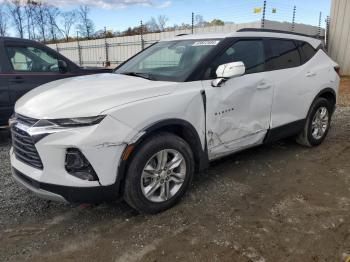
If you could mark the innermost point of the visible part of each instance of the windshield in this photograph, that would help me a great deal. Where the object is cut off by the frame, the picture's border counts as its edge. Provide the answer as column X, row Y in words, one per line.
column 168, row 60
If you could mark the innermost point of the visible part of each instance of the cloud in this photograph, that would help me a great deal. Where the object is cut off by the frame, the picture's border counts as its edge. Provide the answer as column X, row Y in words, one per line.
column 164, row 5
column 107, row 4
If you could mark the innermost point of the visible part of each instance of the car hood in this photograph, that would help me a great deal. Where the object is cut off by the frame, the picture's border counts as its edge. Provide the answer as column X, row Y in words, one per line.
column 88, row 95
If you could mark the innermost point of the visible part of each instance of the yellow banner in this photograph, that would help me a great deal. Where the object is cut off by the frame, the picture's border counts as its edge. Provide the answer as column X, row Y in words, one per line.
column 257, row 10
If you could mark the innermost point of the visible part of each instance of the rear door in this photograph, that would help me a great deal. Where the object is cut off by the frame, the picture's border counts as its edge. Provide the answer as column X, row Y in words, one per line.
column 289, row 78
column 31, row 65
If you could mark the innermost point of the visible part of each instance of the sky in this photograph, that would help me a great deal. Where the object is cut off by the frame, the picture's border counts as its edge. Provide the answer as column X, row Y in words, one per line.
column 118, row 15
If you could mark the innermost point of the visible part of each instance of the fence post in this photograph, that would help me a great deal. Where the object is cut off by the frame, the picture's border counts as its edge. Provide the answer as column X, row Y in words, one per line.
column 293, row 21
column 79, row 49
column 263, row 15
column 106, row 50
column 328, row 23
column 192, row 25
column 319, row 25
column 141, row 33
column 57, row 48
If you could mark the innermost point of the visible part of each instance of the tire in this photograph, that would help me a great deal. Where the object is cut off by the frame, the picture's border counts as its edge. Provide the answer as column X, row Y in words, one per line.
column 309, row 137
column 5, row 135
column 139, row 184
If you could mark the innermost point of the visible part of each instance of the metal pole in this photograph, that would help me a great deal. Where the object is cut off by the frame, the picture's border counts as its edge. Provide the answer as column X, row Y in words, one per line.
column 142, row 40
column 293, row 21
column 328, row 23
column 319, row 25
column 263, row 15
column 192, row 27
column 79, row 49
column 106, row 49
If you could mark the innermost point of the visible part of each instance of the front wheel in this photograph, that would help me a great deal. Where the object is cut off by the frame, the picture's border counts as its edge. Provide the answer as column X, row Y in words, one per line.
column 159, row 173
column 317, row 124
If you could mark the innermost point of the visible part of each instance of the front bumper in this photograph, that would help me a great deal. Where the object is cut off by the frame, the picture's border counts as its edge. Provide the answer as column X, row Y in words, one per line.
column 66, row 193
column 101, row 144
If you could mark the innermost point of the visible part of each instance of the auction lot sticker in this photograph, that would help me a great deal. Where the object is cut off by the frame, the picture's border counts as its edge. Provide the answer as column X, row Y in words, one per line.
column 203, row 43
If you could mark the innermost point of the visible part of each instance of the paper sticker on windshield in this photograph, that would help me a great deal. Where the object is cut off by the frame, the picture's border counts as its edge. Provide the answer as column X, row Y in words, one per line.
column 204, row 43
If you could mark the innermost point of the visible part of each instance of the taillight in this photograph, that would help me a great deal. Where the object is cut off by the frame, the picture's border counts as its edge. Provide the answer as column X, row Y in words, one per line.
column 337, row 69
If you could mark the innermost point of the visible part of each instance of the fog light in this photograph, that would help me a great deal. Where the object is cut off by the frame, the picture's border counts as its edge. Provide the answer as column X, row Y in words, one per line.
column 77, row 165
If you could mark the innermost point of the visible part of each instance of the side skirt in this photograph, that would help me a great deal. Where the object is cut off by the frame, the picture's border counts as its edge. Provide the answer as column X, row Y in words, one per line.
column 284, row 131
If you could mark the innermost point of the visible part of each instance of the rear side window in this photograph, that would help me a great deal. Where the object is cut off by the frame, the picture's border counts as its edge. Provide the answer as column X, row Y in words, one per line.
column 306, row 51
column 285, row 54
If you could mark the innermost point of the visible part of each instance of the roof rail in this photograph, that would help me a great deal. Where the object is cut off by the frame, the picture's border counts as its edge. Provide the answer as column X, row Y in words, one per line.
column 274, row 31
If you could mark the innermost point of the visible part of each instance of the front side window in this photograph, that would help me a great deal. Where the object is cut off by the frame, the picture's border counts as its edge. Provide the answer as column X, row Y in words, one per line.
column 169, row 60
column 31, row 59
column 285, row 54
column 250, row 52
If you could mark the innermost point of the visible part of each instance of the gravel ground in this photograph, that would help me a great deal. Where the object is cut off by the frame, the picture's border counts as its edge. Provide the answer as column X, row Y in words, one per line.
column 280, row 202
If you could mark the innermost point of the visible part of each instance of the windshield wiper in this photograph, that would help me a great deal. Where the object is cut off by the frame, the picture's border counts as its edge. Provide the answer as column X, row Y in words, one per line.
column 136, row 74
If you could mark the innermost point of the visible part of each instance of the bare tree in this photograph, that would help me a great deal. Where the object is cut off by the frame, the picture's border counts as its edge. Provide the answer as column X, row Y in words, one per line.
column 159, row 24
column 52, row 13
column 199, row 20
column 152, row 25
column 86, row 25
column 3, row 21
column 15, row 9
column 29, row 13
column 69, row 18
column 162, row 20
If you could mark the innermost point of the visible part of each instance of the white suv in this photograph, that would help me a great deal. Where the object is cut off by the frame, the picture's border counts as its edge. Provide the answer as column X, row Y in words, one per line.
column 143, row 131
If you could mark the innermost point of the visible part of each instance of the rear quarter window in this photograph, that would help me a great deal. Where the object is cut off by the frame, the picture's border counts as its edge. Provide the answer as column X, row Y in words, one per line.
column 306, row 51
column 284, row 54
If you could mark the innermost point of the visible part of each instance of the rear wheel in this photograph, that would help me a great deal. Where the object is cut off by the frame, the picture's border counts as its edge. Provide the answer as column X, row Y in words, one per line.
column 317, row 124
column 159, row 173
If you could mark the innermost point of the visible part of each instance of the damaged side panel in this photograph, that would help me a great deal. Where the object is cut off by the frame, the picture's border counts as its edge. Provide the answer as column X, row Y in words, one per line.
column 238, row 114
column 184, row 103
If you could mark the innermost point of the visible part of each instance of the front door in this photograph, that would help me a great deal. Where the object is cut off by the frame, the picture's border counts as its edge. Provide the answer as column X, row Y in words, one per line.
column 238, row 112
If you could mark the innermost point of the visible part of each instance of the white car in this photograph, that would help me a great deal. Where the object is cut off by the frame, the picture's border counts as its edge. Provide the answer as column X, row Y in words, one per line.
column 140, row 133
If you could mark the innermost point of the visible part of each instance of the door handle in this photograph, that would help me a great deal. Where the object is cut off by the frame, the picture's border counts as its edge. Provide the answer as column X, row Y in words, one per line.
column 17, row 79
column 263, row 85
column 310, row 74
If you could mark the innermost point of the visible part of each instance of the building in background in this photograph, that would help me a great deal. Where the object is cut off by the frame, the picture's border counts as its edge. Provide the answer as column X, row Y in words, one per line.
column 339, row 34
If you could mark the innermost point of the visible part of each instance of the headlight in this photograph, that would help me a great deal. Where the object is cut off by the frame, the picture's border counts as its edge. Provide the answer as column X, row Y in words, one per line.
column 71, row 122
column 80, row 121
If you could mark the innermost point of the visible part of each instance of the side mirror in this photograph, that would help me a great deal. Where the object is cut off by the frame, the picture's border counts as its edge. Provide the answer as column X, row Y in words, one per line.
column 227, row 71
column 62, row 66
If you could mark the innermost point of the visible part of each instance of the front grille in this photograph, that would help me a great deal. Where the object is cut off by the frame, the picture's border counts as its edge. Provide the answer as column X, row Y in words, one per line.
column 23, row 144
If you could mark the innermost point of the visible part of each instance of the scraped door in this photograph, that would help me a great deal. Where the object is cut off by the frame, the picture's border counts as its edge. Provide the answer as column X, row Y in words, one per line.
column 238, row 112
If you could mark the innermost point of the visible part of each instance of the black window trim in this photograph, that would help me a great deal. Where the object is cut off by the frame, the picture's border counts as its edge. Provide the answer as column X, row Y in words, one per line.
column 199, row 73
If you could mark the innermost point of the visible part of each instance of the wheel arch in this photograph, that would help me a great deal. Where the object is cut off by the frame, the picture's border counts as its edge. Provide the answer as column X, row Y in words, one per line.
column 179, row 127
column 330, row 95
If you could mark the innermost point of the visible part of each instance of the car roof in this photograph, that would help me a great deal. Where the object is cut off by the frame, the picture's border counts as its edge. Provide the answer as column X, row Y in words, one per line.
column 7, row 38
column 315, row 43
